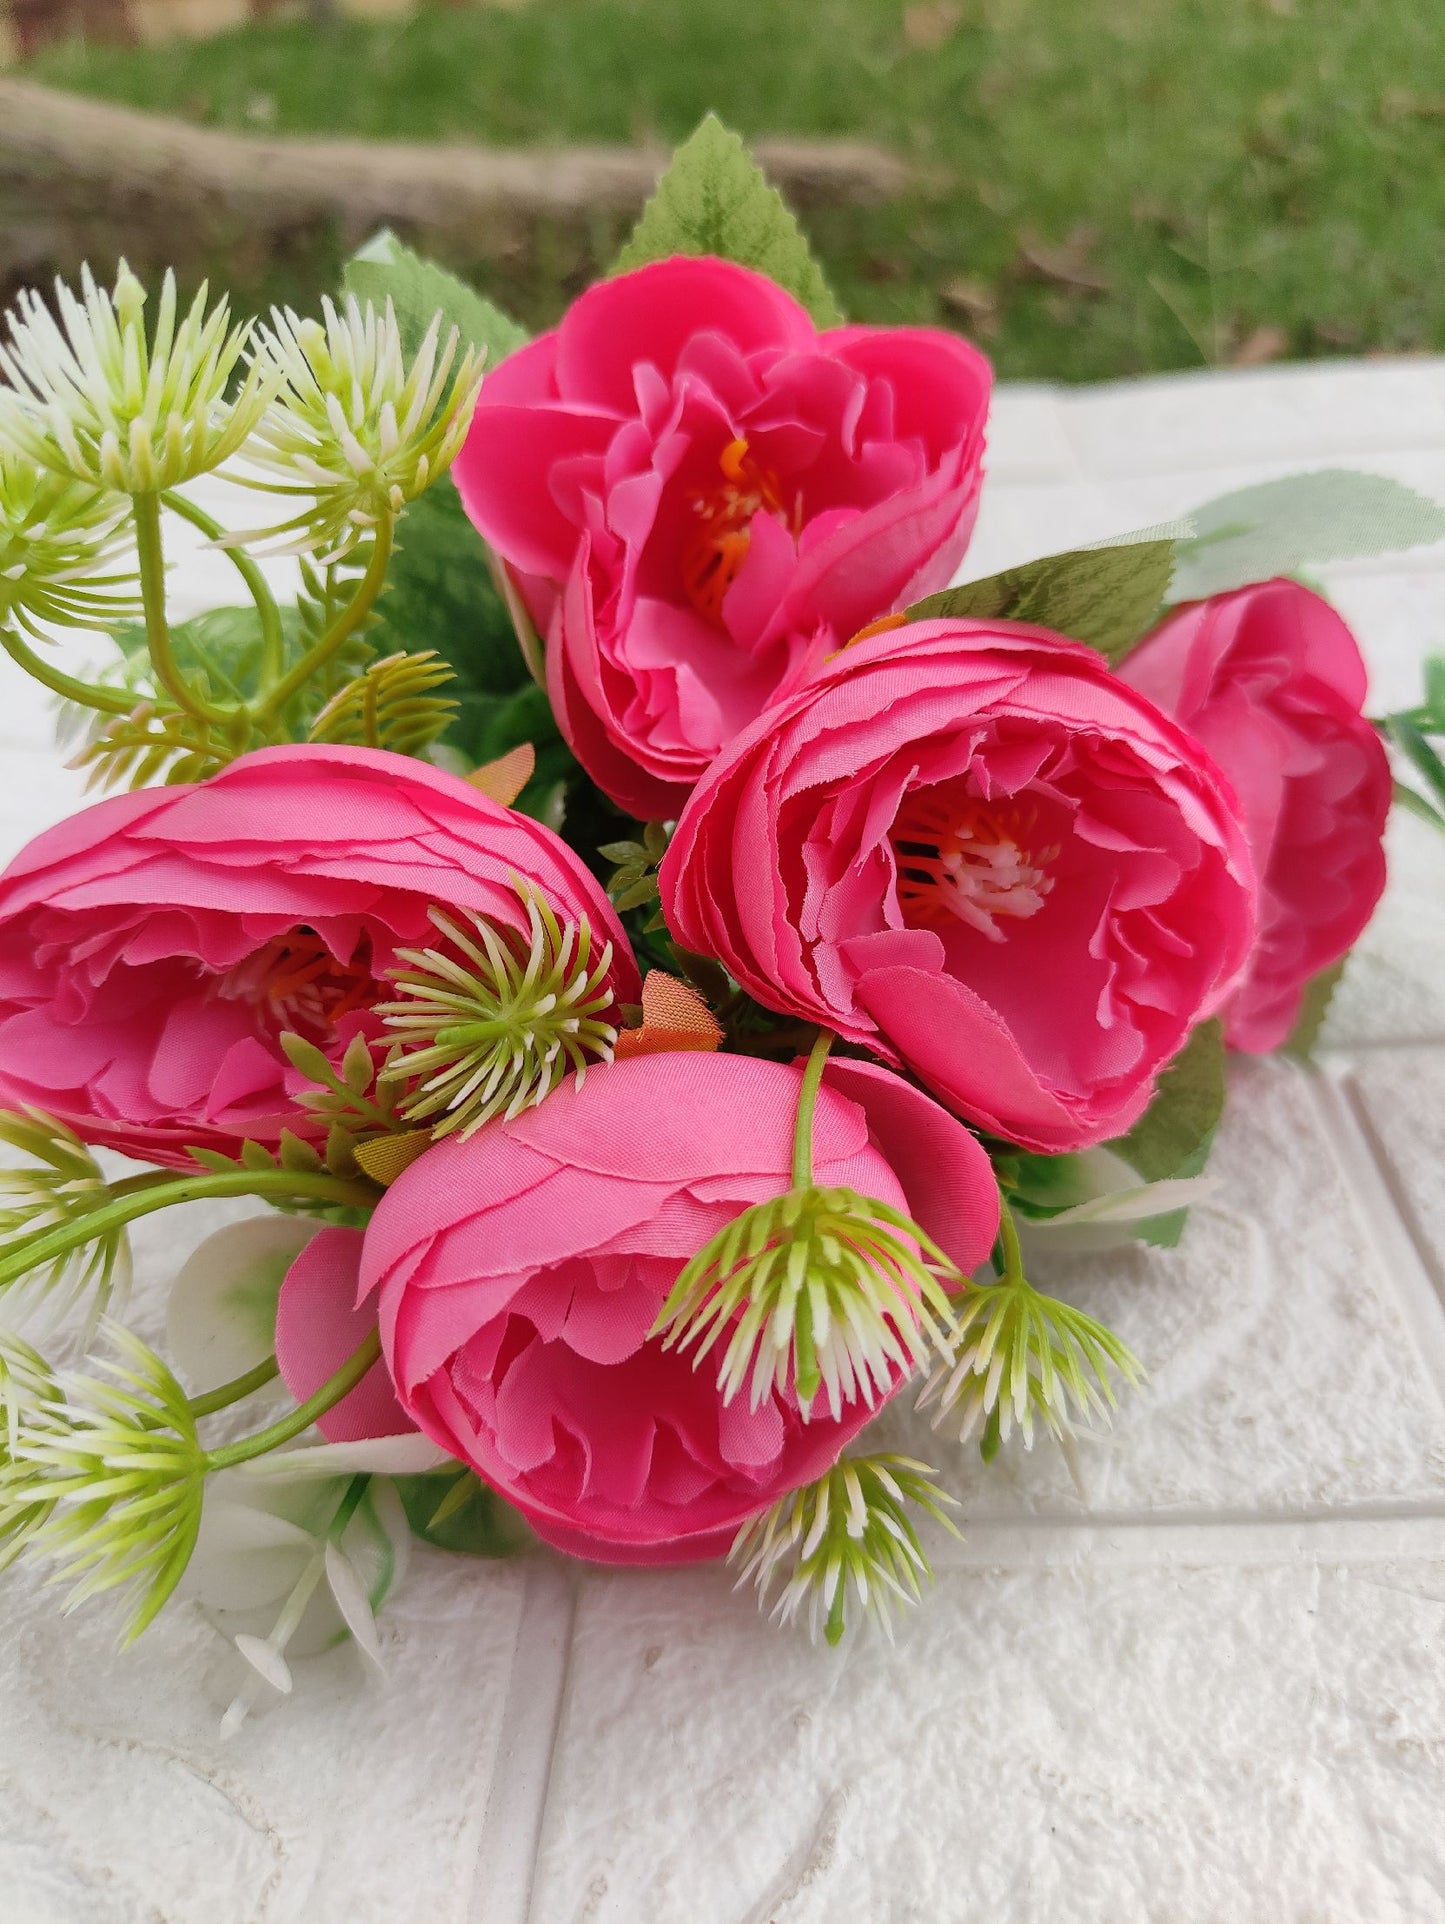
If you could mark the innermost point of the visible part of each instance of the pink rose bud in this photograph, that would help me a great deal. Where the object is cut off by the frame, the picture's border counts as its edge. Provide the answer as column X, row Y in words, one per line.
column 518, row 1275
column 699, row 495
column 1270, row 679
column 155, row 947
column 973, row 849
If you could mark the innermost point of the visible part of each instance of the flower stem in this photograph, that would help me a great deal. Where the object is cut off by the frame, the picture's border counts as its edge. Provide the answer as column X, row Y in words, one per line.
column 236, row 1390
column 146, row 510
column 807, row 1102
column 109, row 701
column 340, row 631
column 247, row 1448
column 269, row 614
column 1008, row 1235
column 143, row 1195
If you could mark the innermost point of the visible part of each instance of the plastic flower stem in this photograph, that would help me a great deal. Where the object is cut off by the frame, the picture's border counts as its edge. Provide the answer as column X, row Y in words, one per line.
column 1008, row 1235
column 109, row 701
column 236, row 1390
column 247, row 1448
column 143, row 1195
column 269, row 614
column 146, row 511
column 340, row 631
column 807, row 1102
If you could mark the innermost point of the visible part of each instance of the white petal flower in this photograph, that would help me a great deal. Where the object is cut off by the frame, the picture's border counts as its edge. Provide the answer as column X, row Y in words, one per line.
column 354, row 430
column 90, row 396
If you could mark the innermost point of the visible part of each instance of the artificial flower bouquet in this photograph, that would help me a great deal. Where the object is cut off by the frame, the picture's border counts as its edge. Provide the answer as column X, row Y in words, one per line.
column 661, row 954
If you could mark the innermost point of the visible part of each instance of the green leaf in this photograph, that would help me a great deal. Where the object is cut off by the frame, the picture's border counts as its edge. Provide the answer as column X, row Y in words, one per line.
column 1300, row 1043
column 1174, row 1135
column 1411, row 799
column 419, row 290
column 1279, row 527
column 1107, row 597
column 715, row 199
column 460, row 1513
column 1407, row 737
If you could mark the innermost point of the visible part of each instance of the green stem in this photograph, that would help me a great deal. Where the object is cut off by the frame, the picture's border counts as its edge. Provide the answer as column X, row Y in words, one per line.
column 247, row 1448
column 146, row 509
column 273, row 648
column 236, row 1390
column 348, row 1506
column 110, row 701
column 807, row 1102
column 143, row 1195
column 1008, row 1235
column 340, row 631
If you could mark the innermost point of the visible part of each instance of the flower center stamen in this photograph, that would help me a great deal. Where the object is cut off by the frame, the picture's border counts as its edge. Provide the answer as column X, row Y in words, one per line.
column 296, row 978
column 971, row 861
column 715, row 551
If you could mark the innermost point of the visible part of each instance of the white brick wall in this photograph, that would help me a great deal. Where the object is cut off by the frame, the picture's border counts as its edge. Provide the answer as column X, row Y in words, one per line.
column 1213, row 1695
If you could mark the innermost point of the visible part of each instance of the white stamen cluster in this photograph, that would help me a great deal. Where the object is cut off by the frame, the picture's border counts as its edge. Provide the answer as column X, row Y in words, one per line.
column 497, row 1018
column 851, row 1530
column 1018, row 1355
column 109, row 1472
column 90, row 396
column 352, row 427
column 59, row 544
column 815, row 1289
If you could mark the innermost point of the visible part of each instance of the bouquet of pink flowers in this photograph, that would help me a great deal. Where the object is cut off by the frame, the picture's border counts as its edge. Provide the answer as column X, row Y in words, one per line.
column 662, row 952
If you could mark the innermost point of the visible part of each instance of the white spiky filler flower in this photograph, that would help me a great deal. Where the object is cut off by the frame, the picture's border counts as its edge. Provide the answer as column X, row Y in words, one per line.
column 851, row 1532
column 61, row 552
column 494, row 1019
column 356, row 429
column 91, row 395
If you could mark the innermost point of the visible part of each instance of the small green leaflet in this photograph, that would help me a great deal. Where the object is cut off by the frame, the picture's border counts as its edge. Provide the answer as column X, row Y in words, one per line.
column 459, row 1513
column 1282, row 526
column 715, row 199
column 1319, row 991
column 419, row 290
column 1107, row 597
column 1174, row 1135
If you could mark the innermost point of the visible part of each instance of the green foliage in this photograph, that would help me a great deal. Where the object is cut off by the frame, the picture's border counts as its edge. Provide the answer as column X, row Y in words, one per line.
column 418, row 289
column 1319, row 992
column 61, row 1184
column 633, row 883
column 392, row 704
column 715, row 199
column 1279, row 527
column 1174, row 1135
column 1407, row 733
column 458, row 1512
column 1107, row 597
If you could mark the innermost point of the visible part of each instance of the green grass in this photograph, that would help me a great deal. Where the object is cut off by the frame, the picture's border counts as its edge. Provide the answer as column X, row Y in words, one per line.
column 1218, row 166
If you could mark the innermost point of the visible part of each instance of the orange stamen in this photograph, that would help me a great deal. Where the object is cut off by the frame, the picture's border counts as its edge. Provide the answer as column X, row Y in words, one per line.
column 713, row 555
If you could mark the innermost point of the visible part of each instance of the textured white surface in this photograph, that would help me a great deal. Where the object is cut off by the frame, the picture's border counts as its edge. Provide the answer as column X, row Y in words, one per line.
column 1213, row 1694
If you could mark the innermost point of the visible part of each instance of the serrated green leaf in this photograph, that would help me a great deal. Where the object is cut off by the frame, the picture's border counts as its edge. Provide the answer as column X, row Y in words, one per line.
column 460, row 1513
column 1108, row 597
column 623, row 851
column 715, row 199
column 1281, row 526
column 1174, row 1135
column 419, row 290
column 211, row 1159
column 1318, row 993
column 254, row 1156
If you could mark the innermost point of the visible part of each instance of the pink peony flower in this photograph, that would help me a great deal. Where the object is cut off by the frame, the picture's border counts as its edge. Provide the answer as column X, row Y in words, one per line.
column 1270, row 679
column 699, row 495
column 969, row 847
column 155, row 946
column 517, row 1275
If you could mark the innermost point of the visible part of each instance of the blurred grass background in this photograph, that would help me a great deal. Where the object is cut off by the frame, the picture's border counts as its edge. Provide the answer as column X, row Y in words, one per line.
column 1103, row 187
